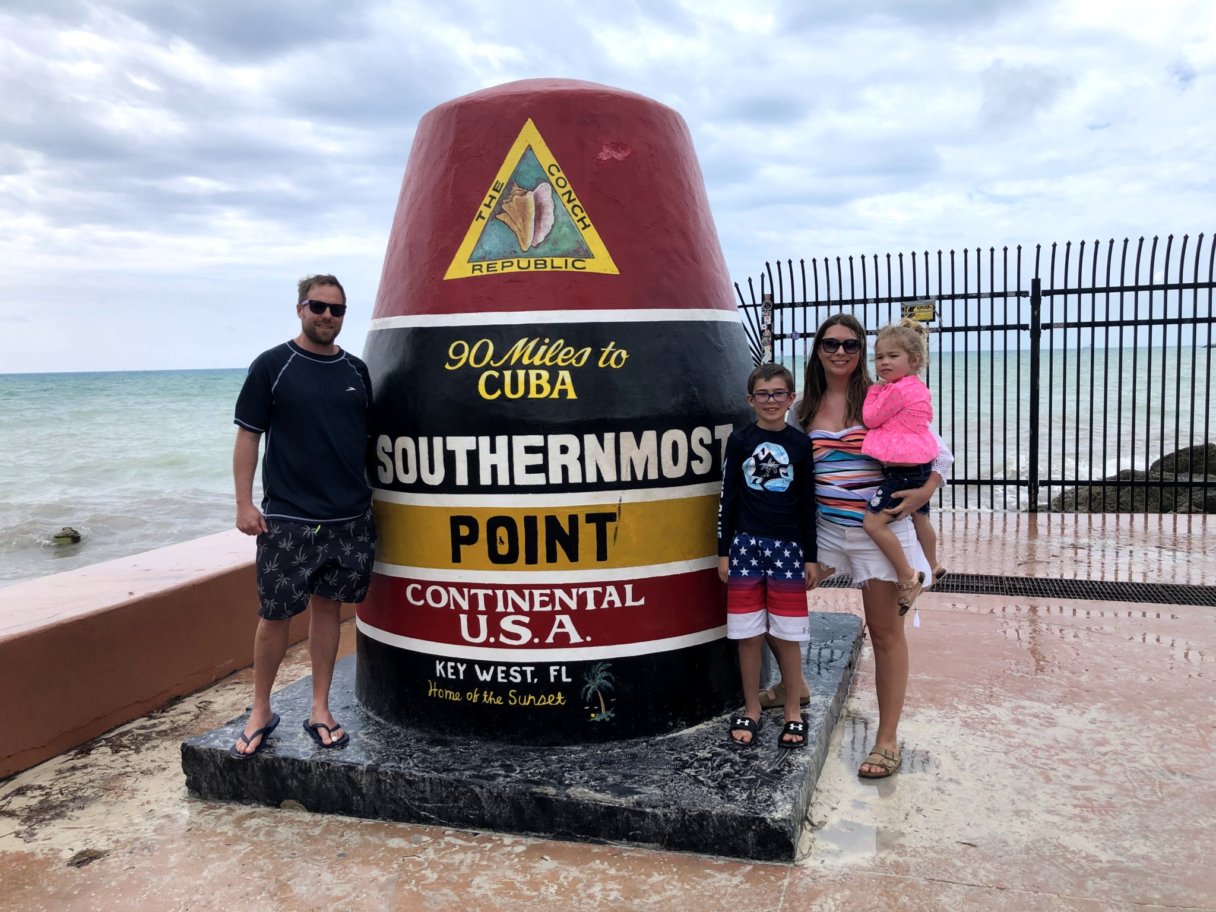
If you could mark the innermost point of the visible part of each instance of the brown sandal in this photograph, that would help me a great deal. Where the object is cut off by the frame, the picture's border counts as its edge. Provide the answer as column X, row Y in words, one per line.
column 885, row 759
column 906, row 593
column 774, row 697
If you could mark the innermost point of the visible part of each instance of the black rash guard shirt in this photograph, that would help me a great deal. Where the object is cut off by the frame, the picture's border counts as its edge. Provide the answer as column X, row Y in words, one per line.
column 768, row 488
column 313, row 410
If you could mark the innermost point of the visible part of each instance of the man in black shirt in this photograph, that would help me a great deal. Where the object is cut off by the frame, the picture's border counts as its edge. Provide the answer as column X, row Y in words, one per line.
column 315, row 532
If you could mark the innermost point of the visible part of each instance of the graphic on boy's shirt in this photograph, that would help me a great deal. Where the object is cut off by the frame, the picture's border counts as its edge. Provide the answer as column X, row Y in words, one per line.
column 768, row 468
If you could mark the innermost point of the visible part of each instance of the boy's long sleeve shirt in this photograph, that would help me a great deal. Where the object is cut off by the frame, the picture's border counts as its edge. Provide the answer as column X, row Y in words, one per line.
column 768, row 488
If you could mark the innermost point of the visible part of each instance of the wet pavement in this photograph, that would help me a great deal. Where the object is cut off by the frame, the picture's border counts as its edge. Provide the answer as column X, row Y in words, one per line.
column 1055, row 758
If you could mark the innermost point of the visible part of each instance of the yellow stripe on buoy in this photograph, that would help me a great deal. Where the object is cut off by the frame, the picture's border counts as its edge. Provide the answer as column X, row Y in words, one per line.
column 568, row 537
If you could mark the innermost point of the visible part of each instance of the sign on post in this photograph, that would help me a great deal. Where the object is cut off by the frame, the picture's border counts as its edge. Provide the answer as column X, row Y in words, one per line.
column 922, row 311
column 766, row 329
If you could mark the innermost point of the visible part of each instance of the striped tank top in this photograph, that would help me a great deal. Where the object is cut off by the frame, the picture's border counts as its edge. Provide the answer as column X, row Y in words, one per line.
column 845, row 480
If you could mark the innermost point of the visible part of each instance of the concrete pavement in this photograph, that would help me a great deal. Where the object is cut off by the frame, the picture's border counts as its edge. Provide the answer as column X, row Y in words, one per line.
column 1056, row 758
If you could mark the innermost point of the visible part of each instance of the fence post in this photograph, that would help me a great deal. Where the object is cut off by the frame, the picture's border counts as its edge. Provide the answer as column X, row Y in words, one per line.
column 766, row 328
column 1036, row 331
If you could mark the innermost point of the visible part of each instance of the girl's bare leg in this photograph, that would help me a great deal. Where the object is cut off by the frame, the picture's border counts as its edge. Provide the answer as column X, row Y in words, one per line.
column 877, row 526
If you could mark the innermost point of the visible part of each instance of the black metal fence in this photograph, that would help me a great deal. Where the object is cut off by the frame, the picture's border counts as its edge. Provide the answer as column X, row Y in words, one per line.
column 1051, row 376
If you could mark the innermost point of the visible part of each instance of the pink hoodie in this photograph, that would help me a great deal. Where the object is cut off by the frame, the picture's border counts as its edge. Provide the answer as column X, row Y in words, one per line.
column 898, row 416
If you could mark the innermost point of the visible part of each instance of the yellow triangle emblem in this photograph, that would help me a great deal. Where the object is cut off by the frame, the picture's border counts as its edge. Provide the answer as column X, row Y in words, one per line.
column 530, row 220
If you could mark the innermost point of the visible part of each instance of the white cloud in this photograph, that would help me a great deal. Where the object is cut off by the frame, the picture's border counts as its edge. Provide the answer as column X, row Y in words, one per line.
column 190, row 161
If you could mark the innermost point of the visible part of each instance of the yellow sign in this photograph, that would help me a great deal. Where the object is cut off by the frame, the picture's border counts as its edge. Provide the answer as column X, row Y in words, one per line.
column 530, row 220
column 594, row 536
column 923, row 311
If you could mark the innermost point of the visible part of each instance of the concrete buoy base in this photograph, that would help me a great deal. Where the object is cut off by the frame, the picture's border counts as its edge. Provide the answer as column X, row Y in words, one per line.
column 686, row 791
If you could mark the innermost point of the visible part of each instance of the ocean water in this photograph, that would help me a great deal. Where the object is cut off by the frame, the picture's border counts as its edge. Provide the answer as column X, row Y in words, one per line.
column 1101, row 411
column 138, row 460
column 132, row 460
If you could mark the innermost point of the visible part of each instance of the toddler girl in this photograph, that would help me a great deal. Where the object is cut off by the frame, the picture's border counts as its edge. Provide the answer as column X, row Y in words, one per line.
column 897, row 412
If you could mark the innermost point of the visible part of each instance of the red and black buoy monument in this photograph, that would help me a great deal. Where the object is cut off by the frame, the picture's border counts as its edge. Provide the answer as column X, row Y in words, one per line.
column 557, row 363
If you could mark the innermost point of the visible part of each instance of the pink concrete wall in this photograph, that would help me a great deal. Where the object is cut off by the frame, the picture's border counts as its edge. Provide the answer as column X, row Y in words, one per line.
column 85, row 651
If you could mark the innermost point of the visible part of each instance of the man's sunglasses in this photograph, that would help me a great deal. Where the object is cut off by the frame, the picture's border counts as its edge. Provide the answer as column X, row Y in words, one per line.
column 338, row 310
column 831, row 346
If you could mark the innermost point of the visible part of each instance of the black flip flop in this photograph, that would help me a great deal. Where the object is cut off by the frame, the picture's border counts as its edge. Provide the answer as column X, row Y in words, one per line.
column 264, row 731
column 314, row 732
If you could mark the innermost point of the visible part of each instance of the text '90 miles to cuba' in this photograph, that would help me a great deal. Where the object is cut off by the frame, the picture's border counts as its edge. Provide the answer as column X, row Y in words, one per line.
column 532, row 367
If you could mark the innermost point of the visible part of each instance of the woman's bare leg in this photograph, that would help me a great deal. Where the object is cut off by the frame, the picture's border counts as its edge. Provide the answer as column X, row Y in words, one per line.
column 886, row 628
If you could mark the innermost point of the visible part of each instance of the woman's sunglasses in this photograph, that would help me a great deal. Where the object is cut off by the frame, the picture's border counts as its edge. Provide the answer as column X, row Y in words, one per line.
column 831, row 346
column 318, row 307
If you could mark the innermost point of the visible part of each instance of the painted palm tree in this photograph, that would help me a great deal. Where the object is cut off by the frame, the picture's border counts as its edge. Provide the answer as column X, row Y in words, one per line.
column 598, row 679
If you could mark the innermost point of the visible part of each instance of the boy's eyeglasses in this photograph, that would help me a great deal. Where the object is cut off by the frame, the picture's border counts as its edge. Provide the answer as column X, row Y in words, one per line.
column 772, row 396
column 831, row 346
column 318, row 307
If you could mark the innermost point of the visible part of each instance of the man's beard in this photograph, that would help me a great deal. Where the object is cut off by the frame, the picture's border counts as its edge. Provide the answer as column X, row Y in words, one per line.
column 313, row 334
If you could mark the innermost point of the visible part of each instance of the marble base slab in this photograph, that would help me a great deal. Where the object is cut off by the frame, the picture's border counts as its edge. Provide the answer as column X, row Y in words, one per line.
column 686, row 791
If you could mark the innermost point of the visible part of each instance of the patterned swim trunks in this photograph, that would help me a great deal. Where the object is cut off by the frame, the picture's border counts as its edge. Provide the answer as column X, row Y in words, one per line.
column 766, row 589
column 296, row 561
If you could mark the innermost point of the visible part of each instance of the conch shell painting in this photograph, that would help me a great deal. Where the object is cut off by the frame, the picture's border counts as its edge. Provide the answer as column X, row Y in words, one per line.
column 528, row 213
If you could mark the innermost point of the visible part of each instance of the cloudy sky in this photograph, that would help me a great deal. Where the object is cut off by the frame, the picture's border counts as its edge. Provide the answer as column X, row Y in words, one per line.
column 168, row 168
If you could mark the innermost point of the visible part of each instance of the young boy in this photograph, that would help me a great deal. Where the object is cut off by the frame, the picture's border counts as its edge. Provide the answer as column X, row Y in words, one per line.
column 766, row 548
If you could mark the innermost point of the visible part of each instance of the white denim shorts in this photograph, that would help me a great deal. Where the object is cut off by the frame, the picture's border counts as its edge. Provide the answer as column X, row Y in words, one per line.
column 848, row 549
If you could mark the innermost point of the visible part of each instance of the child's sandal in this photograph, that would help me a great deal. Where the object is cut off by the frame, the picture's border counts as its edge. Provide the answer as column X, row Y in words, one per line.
column 743, row 724
column 906, row 593
column 792, row 729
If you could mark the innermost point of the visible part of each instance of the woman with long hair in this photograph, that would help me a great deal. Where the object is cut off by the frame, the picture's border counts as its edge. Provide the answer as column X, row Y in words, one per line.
column 834, row 391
